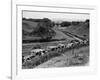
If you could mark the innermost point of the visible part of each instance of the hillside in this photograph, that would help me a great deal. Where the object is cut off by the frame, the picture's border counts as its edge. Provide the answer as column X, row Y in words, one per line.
column 81, row 29
column 28, row 26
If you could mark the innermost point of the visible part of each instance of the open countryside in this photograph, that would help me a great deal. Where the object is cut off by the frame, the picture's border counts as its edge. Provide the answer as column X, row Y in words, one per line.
column 48, row 44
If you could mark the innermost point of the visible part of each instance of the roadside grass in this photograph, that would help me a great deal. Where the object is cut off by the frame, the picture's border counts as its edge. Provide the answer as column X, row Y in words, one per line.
column 68, row 59
column 38, row 60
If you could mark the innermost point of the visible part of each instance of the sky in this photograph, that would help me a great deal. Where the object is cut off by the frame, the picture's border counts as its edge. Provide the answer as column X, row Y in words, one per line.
column 56, row 16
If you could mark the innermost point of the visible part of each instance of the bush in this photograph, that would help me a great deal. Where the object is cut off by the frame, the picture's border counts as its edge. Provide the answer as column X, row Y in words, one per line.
column 65, row 24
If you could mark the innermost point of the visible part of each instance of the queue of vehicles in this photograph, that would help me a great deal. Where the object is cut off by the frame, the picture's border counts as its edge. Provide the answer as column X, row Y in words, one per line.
column 52, row 49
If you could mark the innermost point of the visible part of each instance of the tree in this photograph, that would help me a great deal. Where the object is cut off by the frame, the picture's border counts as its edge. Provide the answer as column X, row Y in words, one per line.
column 65, row 24
column 44, row 31
column 23, row 18
column 87, row 22
column 75, row 23
column 48, row 22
